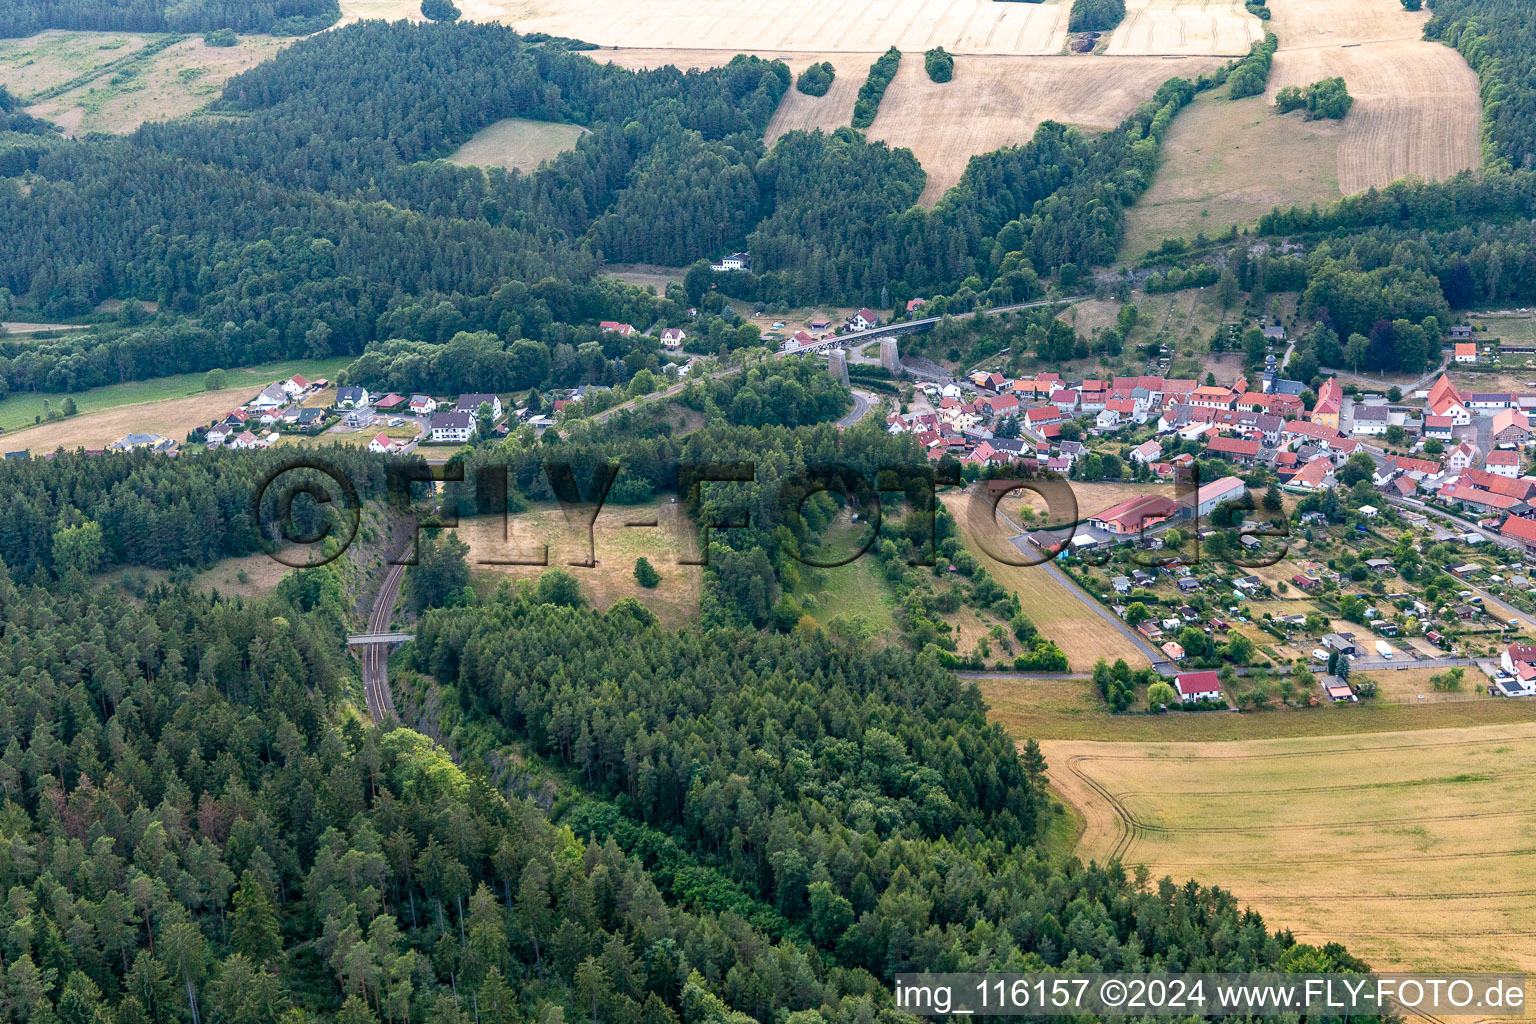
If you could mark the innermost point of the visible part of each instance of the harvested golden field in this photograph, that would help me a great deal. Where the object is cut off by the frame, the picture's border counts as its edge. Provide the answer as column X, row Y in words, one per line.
column 1418, row 108
column 1185, row 27
column 1071, row 709
column 1229, row 161
column 1053, row 605
column 799, row 112
column 1000, row 101
column 1414, row 849
column 170, row 418
column 174, row 82
column 961, row 26
column 517, row 144
column 614, row 546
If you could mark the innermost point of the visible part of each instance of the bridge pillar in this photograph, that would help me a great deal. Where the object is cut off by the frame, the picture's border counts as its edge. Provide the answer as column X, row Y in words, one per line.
column 837, row 365
column 890, row 358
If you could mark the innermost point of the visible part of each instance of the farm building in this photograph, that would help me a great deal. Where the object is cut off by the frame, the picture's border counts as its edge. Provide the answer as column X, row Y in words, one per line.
column 1135, row 515
column 1228, row 488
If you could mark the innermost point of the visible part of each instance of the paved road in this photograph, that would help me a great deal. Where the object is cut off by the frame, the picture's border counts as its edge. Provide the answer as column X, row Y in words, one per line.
column 1158, row 659
column 863, row 401
column 381, row 701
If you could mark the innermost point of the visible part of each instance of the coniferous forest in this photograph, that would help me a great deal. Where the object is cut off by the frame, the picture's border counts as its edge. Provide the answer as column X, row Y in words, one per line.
column 748, row 817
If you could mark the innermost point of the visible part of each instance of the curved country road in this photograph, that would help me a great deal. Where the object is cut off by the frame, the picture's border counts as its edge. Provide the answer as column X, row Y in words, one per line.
column 381, row 702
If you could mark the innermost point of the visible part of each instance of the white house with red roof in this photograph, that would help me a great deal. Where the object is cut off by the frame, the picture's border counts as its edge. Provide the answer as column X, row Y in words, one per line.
column 1466, row 351
column 296, row 385
column 1147, row 452
column 615, row 326
column 423, row 405
column 1195, row 686
column 1463, row 456
column 864, row 319
column 1503, row 462
column 385, row 445
column 1316, row 475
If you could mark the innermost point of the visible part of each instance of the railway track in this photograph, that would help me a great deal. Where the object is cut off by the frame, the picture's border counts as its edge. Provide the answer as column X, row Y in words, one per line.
column 375, row 657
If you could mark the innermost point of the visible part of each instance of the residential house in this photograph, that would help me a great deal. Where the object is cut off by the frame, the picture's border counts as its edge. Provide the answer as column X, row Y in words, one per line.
column 864, row 319
column 1370, row 420
column 1461, row 332
column 136, row 441
column 271, row 397
column 1466, row 351
column 422, row 405
column 995, row 407
column 351, row 397
column 385, row 445
column 1503, row 462
column 472, row 403
column 1316, row 475
column 1042, row 416
column 1197, row 686
column 1446, row 401
column 622, row 329
column 1330, row 402
column 452, row 427
column 1146, row 452
column 1440, row 428
column 296, row 385
column 1463, row 456
column 672, row 337
column 1212, row 398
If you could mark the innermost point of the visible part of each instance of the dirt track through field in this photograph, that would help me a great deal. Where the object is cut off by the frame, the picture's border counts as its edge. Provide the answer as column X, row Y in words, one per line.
column 1418, row 107
column 1055, row 609
column 1414, row 848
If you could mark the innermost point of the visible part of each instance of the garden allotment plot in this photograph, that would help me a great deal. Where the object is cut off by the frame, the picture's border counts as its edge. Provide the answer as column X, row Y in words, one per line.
column 1417, row 850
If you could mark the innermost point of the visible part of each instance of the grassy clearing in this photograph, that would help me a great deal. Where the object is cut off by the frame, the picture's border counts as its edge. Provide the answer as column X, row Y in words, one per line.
column 852, row 591
column 615, row 548
column 114, row 81
column 17, row 410
column 517, row 144
column 1229, row 162
column 1412, row 848
column 250, row 577
column 1055, row 609
column 151, row 399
